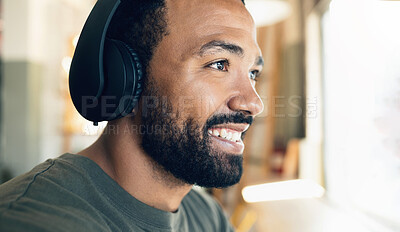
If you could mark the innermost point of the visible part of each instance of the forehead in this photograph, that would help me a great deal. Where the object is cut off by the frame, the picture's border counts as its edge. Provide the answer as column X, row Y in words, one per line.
column 192, row 23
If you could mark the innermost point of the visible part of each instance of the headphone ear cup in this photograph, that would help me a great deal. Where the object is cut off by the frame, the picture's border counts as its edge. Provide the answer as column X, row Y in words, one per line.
column 123, row 80
column 138, row 79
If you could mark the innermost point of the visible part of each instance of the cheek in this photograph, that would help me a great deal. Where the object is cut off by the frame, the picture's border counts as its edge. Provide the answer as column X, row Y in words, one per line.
column 200, row 100
column 192, row 93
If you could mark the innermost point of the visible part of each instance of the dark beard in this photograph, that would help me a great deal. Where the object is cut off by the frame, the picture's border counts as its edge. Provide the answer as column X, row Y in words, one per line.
column 185, row 150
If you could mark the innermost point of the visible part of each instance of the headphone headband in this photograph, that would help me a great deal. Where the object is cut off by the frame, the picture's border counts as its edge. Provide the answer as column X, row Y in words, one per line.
column 101, row 68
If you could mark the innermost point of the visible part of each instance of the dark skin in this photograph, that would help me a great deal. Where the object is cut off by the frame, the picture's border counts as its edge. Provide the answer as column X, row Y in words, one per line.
column 206, row 65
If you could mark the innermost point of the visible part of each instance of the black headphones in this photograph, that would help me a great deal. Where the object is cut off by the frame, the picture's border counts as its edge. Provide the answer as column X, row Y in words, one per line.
column 105, row 78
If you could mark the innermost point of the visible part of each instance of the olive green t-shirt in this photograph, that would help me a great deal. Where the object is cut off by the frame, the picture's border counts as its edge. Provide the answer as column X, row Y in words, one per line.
column 72, row 193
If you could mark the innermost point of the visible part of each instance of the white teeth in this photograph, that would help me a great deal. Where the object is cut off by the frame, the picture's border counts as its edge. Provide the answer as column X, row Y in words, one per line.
column 229, row 136
column 216, row 133
column 223, row 133
column 236, row 136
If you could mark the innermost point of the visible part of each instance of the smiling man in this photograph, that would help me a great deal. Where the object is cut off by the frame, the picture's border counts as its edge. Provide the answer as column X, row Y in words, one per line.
column 200, row 61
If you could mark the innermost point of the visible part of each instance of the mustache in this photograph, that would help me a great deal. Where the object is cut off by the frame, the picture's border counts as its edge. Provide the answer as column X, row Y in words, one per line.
column 228, row 118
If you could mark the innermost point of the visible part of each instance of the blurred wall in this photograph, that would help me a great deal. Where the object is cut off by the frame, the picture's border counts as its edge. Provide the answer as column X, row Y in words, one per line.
column 36, row 37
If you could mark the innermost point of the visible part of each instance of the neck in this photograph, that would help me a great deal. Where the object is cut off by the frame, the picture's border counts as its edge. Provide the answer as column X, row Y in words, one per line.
column 118, row 152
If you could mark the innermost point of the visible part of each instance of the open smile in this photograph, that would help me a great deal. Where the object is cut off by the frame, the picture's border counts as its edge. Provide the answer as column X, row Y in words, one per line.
column 228, row 137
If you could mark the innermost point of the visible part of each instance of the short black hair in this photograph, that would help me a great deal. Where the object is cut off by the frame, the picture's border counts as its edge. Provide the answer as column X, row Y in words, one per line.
column 141, row 24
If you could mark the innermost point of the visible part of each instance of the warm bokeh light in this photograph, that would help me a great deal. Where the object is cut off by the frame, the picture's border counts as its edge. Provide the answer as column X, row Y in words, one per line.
column 75, row 40
column 282, row 190
column 268, row 12
column 66, row 63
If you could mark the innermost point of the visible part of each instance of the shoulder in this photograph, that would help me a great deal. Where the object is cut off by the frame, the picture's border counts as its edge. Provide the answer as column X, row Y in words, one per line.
column 31, row 216
column 40, row 200
column 205, row 208
column 45, row 180
column 18, row 187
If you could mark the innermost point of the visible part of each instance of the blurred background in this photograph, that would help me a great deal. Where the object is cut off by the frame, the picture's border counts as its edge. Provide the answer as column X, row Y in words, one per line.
column 323, row 156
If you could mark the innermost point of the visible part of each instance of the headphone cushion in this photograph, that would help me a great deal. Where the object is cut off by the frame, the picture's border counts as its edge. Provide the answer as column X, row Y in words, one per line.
column 123, row 80
column 139, row 78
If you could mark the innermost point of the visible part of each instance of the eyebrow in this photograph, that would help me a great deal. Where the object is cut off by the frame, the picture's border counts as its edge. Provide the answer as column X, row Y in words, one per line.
column 232, row 48
column 220, row 45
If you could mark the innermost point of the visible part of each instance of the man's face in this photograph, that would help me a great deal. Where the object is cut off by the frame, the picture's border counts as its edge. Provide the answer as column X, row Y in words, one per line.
column 202, row 75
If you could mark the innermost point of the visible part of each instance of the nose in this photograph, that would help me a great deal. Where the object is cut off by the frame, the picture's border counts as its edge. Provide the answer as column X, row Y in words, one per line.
column 246, row 99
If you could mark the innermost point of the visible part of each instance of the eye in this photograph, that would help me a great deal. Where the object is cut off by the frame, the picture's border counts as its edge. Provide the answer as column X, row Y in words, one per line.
column 221, row 65
column 254, row 74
